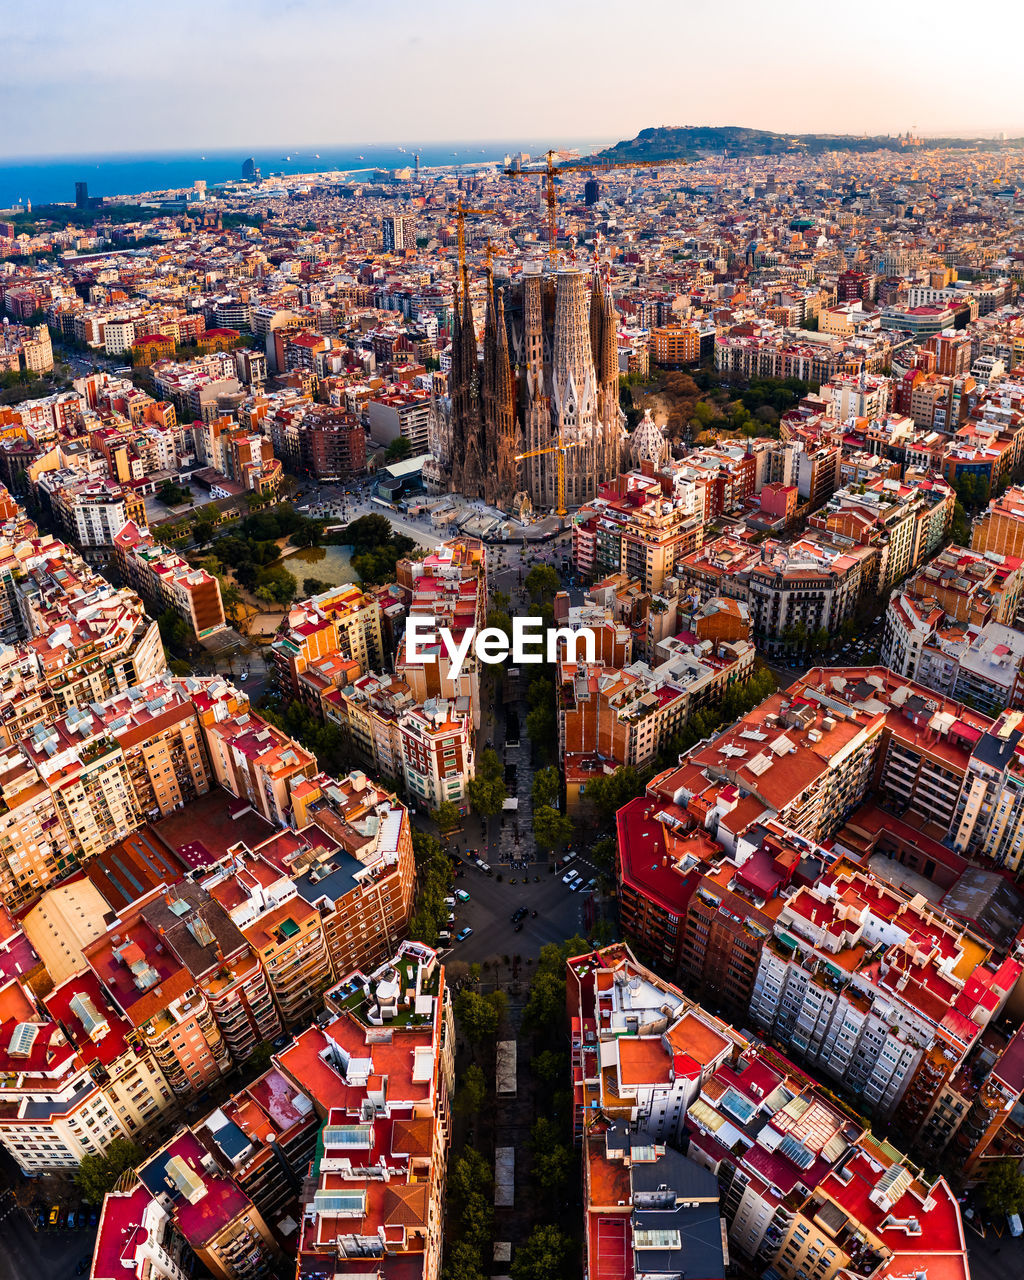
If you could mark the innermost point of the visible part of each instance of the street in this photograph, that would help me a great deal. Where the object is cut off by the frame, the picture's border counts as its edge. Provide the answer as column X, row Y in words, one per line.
column 492, row 902
column 994, row 1257
column 30, row 1254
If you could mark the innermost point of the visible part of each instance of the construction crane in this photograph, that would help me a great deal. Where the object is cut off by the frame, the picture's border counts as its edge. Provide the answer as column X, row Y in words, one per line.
column 561, row 448
column 549, row 172
column 460, row 224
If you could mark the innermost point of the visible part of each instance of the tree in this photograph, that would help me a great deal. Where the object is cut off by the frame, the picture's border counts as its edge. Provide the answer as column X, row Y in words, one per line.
column 368, row 532
column 174, row 631
column 540, row 726
column 171, row 494
column 550, row 1067
column 487, row 791
column 603, row 853
column 542, row 582
column 398, row 450
column 544, row 1256
column 477, row 1016
column 960, row 530
column 608, row 792
column 231, row 599
column 472, row 1091
column 470, row 1173
column 551, row 828
column 447, row 817
column 202, row 529
column 314, row 586
column 463, row 1260
column 546, row 788
column 1004, row 1188
column 98, row 1174
column 545, row 1005
column 552, row 1158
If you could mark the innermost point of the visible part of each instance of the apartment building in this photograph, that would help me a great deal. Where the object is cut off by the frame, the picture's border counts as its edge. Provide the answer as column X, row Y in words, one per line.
column 353, row 859
column 222, row 1228
column 449, row 587
column 804, row 588
column 781, row 1150
column 73, row 1079
column 860, row 981
column 380, row 1075
column 905, row 521
column 1000, row 528
column 343, row 620
column 252, row 759
column 951, row 627
column 647, row 1208
column 321, row 441
column 91, row 512
column 675, row 346
column 166, row 581
column 226, row 964
column 136, row 1233
column 290, row 941
column 161, row 999
column 368, row 712
column 400, row 415
column 989, row 817
column 625, row 716
column 437, row 755
column 640, row 526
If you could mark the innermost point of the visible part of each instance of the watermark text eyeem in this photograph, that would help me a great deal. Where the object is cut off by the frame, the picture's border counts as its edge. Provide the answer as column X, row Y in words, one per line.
column 530, row 641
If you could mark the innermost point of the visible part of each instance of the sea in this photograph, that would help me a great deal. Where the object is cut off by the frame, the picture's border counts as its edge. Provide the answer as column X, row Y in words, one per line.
column 51, row 179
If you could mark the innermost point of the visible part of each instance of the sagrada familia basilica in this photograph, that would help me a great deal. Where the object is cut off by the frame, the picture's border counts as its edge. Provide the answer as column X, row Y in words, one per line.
column 548, row 385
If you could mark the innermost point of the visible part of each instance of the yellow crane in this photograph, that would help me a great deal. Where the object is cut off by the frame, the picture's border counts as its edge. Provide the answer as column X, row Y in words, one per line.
column 561, row 448
column 549, row 172
column 460, row 226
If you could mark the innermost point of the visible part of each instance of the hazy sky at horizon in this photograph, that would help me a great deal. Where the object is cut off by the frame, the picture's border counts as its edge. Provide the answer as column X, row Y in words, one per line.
column 119, row 75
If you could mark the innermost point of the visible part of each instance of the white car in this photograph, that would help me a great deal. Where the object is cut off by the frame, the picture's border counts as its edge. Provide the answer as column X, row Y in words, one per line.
column 568, row 877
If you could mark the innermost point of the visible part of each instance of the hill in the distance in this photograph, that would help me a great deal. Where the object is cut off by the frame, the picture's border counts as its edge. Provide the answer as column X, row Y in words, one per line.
column 688, row 142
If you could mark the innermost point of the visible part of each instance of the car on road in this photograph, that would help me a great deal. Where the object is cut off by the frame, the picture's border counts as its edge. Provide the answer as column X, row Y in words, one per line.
column 463, row 934
column 462, row 895
column 54, row 1215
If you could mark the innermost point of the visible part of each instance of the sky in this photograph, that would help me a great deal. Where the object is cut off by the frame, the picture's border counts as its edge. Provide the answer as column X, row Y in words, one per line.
column 135, row 75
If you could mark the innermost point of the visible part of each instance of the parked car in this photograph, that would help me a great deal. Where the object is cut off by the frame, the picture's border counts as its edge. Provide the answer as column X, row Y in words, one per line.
column 569, row 877
column 70, row 1224
column 576, row 883
column 463, row 934
column 462, row 895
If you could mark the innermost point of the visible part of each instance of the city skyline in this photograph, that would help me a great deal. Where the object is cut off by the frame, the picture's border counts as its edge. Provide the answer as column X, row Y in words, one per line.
column 543, row 79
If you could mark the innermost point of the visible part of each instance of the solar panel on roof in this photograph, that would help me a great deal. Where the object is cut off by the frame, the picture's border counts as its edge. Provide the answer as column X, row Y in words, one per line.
column 347, row 1135
column 796, row 1151
column 735, row 1103
column 23, row 1039
column 333, row 1202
